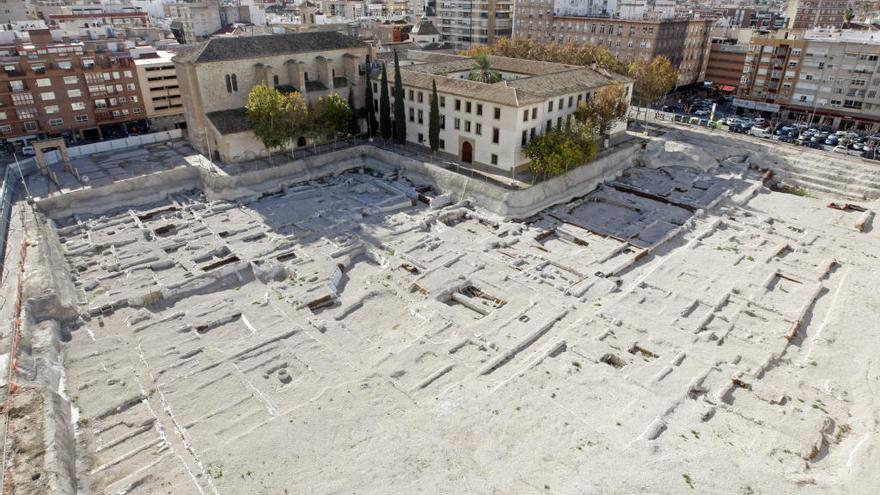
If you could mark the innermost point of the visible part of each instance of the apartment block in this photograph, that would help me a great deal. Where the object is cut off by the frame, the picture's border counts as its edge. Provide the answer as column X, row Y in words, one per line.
column 157, row 78
column 684, row 41
column 474, row 22
column 822, row 77
column 809, row 14
column 67, row 87
column 15, row 10
column 725, row 66
column 192, row 21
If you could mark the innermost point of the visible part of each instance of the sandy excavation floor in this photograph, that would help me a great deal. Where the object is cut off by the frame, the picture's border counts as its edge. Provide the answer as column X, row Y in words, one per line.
column 333, row 338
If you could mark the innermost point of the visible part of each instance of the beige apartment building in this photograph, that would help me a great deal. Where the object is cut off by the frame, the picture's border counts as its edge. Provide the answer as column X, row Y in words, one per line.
column 822, row 77
column 216, row 78
column 684, row 41
column 157, row 78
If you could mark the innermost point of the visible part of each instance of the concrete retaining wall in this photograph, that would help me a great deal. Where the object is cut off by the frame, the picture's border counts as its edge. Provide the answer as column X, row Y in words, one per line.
column 507, row 203
column 115, row 144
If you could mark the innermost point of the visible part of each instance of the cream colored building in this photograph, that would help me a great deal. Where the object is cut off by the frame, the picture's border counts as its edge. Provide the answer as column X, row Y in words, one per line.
column 157, row 79
column 192, row 21
column 491, row 124
column 216, row 78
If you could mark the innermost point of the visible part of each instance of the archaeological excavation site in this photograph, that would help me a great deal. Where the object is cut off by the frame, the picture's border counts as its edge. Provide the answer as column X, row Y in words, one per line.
column 682, row 316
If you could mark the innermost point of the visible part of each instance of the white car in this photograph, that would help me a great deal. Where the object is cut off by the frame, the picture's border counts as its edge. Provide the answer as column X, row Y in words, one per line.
column 28, row 150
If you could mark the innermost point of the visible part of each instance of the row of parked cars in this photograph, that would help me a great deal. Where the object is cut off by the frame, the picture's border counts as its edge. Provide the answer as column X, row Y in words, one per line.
column 847, row 142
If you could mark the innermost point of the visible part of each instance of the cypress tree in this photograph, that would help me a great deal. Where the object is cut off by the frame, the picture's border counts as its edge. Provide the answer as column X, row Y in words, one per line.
column 434, row 119
column 370, row 110
column 399, row 109
column 384, row 107
column 354, row 124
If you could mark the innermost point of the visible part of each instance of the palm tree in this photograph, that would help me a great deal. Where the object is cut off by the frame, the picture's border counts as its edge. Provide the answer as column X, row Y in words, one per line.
column 482, row 71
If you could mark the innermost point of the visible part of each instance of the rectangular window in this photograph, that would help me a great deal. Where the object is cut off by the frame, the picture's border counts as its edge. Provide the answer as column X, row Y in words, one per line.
column 550, row 106
column 2, row 115
column 31, row 126
column 420, row 97
column 50, row 109
column 467, row 107
column 479, row 109
column 412, row 115
column 442, row 144
column 457, row 124
column 411, row 95
column 526, row 115
column 525, row 138
column 532, row 133
column 44, row 82
column 82, row 118
column 65, row 64
column 479, row 129
column 534, row 113
column 5, row 129
column 467, row 126
column 494, row 159
column 442, row 122
column 56, row 122
column 570, row 101
column 421, row 121
column 47, row 96
column 77, row 105
column 549, row 125
column 497, row 113
column 457, row 105
column 421, row 138
column 496, row 134
column 442, row 102
column 137, row 110
column 74, row 93
column 71, row 79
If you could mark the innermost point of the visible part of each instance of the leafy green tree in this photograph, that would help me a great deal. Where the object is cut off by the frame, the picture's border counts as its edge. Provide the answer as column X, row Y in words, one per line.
column 331, row 117
column 354, row 123
column 848, row 15
column 299, row 120
column 652, row 80
column 609, row 105
column 385, row 107
column 483, row 72
column 399, row 109
column 268, row 112
column 434, row 119
column 370, row 110
column 560, row 150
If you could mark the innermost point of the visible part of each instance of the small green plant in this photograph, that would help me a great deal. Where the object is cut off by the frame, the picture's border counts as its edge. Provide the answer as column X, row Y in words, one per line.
column 688, row 480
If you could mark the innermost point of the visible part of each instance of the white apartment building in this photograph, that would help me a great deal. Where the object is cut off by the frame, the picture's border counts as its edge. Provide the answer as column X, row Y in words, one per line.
column 474, row 22
column 193, row 21
column 15, row 10
column 490, row 124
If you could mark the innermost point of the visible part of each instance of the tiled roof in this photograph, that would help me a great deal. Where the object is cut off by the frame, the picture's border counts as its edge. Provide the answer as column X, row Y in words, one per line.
column 425, row 28
column 541, row 80
column 249, row 47
column 229, row 121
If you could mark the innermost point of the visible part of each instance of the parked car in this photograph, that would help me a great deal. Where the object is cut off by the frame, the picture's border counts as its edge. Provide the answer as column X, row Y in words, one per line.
column 832, row 141
column 759, row 132
column 28, row 150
